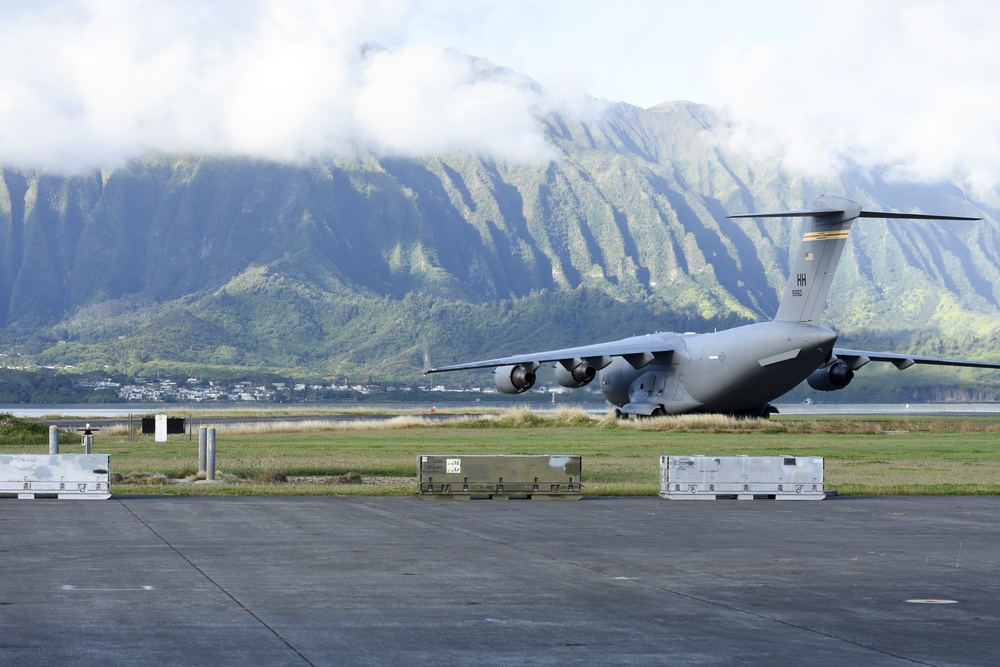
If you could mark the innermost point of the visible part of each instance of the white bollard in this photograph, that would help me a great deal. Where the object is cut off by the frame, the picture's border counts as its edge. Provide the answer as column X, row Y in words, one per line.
column 202, row 448
column 53, row 439
column 210, row 455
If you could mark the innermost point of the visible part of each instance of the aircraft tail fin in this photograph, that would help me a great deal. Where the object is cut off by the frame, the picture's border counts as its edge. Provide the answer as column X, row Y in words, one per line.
column 816, row 260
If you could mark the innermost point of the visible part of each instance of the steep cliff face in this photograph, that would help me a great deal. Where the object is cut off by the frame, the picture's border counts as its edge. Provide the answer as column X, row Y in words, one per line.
column 351, row 263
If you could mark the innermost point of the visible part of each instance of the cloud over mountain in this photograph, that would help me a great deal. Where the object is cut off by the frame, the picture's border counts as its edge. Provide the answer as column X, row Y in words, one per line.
column 908, row 89
column 91, row 84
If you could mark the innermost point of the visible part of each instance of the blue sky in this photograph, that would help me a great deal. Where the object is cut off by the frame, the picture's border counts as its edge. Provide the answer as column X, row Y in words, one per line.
column 908, row 87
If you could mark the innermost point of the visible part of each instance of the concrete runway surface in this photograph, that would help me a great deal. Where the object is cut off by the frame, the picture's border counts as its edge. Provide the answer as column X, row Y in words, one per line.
column 404, row 581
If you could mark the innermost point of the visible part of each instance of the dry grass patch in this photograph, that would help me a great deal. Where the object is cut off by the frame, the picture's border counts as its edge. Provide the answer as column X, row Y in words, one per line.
column 273, row 478
column 320, row 425
column 527, row 418
column 145, row 479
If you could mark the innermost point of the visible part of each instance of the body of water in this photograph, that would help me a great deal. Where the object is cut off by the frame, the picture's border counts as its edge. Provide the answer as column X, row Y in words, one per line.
column 123, row 410
column 894, row 409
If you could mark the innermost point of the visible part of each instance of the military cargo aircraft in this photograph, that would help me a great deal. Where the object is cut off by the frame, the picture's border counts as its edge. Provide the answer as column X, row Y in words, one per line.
column 738, row 371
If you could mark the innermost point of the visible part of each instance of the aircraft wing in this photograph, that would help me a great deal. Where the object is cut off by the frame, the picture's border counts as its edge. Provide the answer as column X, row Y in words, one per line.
column 858, row 358
column 637, row 350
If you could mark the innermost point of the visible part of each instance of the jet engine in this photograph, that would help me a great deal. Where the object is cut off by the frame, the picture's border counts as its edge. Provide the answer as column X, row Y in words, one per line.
column 577, row 376
column 835, row 376
column 514, row 379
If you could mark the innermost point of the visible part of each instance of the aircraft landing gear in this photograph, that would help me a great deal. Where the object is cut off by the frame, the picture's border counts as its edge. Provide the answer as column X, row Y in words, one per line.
column 759, row 413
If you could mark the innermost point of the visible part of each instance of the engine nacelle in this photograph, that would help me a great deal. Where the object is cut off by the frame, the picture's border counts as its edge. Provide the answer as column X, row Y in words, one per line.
column 835, row 376
column 515, row 379
column 581, row 374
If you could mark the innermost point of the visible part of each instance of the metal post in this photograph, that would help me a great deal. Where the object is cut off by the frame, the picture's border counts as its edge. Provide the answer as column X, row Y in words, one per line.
column 202, row 448
column 210, row 455
column 53, row 439
column 88, row 439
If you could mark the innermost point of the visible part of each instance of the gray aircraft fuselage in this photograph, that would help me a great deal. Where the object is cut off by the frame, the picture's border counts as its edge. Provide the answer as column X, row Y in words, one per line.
column 735, row 371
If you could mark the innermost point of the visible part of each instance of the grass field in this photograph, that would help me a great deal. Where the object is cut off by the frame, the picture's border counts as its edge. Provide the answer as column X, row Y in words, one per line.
column 904, row 456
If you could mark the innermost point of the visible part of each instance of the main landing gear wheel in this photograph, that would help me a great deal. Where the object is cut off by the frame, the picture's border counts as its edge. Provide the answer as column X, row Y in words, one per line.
column 656, row 412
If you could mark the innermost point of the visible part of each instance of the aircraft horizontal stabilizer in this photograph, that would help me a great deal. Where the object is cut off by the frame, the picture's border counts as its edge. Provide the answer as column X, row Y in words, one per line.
column 820, row 212
column 837, row 209
column 912, row 216
column 808, row 213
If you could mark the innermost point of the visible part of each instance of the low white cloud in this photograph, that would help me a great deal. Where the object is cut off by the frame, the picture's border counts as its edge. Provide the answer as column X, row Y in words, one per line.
column 93, row 83
column 424, row 100
column 905, row 88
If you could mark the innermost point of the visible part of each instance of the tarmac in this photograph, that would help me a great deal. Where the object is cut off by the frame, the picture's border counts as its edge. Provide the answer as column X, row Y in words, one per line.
column 406, row 581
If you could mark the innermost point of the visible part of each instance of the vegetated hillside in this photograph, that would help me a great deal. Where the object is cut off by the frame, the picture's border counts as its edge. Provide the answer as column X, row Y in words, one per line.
column 354, row 266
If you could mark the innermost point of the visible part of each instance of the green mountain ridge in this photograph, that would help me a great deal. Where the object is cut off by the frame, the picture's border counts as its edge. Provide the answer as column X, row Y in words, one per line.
column 354, row 266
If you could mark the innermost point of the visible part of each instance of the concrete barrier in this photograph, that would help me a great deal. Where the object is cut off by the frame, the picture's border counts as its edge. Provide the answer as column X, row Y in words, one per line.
column 62, row 476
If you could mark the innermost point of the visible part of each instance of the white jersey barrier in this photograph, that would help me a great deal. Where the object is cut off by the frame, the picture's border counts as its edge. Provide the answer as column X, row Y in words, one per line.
column 742, row 477
column 63, row 476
